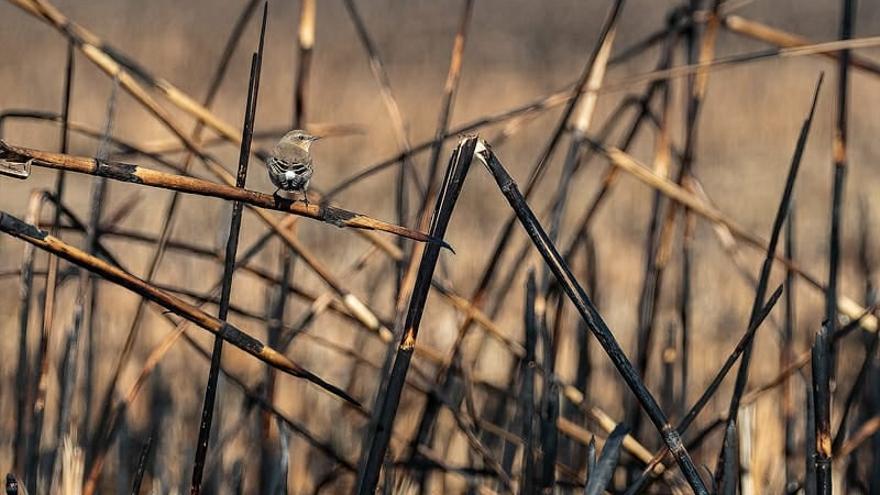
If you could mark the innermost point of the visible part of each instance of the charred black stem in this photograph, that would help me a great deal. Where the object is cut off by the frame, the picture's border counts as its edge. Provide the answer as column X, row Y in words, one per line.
column 229, row 265
column 742, row 375
column 591, row 316
column 386, row 411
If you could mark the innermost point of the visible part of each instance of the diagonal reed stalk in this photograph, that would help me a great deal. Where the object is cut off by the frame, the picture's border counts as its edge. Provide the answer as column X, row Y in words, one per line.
column 229, row 264
column 824, row 352
column 641, row 482
column 374, row 452
column 148, row 177
column 591, row 317
column 723, row 478
column 28, row 233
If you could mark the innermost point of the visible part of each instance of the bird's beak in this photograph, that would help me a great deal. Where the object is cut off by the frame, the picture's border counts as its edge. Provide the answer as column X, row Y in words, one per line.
column 315, row 138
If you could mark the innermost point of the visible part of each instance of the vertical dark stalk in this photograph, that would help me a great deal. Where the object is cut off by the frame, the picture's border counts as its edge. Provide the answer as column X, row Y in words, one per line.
column 788, row 331
column 821, row 449
column 810, row 442
column 742, row 375
column 39, row 394
column 839, row 155
column 549, row 400
column 824, row 362
column 527, row 394
column 229, row 264
column 374, row 451
column 165, row 232
column 591, row 316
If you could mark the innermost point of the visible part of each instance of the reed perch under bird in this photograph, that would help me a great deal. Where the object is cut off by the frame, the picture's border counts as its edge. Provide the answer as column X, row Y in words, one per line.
column 290, row 166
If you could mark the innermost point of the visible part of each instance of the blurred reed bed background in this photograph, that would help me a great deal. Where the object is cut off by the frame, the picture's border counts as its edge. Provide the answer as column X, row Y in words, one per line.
column 661, row 147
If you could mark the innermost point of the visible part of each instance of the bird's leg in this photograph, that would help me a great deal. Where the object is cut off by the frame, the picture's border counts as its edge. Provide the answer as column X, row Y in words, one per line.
column 305, row 198
column 275, row 194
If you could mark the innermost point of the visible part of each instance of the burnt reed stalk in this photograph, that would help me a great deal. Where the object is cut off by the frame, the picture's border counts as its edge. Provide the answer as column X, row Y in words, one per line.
column 229, row 265
column 789, row 326
column 38, row 410
column 591, row 316
column 387, row 404
column 527, row 393
column 742, row 375
column 824, row 362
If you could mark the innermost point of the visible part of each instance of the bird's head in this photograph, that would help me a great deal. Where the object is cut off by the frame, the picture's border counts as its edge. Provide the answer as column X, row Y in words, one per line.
column 300, row 139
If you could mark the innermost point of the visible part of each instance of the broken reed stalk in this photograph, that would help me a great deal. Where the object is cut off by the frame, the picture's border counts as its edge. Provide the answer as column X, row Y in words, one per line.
column 148, row 177
column 28, row 233
column 591, row 316
column 657, row 241
column 229, row 264
column 821, row 449
column 41, row 383
column 742, row 375
column 124, row 146
column 374, row 452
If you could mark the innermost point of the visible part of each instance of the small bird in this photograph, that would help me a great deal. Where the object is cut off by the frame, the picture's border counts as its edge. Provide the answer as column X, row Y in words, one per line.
column 290, row 165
